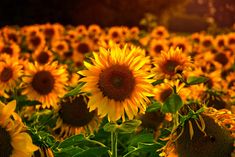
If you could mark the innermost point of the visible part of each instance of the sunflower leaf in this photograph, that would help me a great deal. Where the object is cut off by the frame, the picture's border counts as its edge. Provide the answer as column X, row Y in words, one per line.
column 155, row 106
column 129, row 126
column 110, row 127
column 196, row 80
column 71, row 141
column 172, row 104
column 75, row 91
column 92, row 152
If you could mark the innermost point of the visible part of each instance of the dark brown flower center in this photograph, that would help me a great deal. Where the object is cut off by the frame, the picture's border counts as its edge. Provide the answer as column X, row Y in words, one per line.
column 207, row 43
column 6, row 148
column 116, row 82
column 68, row 54
column 8, row 50
column 49, row 32
column 196, row 40
column 221, row 58
column 181, row 46
column 43, row 58
column 12, row 37
column 35, row 40
column 170, row 66
column 75, row 112
column 160, row 33
column 6, row 74
column 165, row 94
column 83, row 48
column 115, row 35
column 221, row 43
column 158, row 48
column 231, row 41
column 60, row 47
column 43, row 82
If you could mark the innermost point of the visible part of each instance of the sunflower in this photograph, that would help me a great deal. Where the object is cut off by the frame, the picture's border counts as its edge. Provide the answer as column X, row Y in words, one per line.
column 52, row 31
column 11, row 49
column 156, row 46
column 164, row 90
column 94, row 31
column 10, row 72
column 207, row 41
column 43, row 56
column 81, row 30
column 221, row 42
column 11, row 34
column 171, row 63
column 61, row 47
column 35, row 40
column 74, row 117
column 159, row 32
column 225, row 59
column 211, row 133
column 231, row 40
column 134, row 32
column 45, row 83
column 118, row 83
column 14, row 140
column 182, row 43
column 196, row 38
column 115, row 34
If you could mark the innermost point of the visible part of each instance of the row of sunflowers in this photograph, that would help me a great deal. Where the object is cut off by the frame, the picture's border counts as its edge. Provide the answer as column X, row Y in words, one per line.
column 69, row 91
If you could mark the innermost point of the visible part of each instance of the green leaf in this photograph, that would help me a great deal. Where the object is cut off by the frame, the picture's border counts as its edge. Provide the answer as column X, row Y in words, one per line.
column 71, row 141
column 196, row 80
column 129, row 126
column 110, row 127
column 144, row 138
column 92, row 152
column 67, row 152
column 75, row 91
column 172, row 104
column 155, row 106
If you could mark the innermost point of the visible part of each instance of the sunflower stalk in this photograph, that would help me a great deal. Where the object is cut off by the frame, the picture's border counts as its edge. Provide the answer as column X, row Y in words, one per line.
column 114, row 139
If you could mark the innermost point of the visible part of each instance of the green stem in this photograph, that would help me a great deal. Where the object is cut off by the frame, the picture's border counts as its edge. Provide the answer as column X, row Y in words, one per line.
column 114, row 139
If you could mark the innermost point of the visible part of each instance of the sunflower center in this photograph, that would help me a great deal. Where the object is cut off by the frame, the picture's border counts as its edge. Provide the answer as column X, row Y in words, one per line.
column 221, row 58
column 43, row 82
column 181, row 46
column 207, row 43
column 60, row 47
column 115, row 35
column 43, row 58
column 7, row 50
column 158, row 48
column 116, row 82
column 170, row 66
column 83, row 48
column 35, row 40
column 160, row 33
column 165, row 94
column 75, row 112
column 231, row 41
column 221, row 43
column 49, row 32
column 12, row 37
column 5, row 143
column 6, row 74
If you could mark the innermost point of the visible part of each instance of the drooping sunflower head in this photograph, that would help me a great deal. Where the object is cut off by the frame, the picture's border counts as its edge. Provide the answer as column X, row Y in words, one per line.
column 171, row 63
column 13, row 137
column 211, row 134
column 45, row 83
column 10, row 72
column 118, row 82
column 75, row 117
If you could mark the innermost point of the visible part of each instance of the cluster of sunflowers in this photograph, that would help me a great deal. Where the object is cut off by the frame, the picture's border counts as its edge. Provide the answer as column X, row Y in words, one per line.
column 63, row 89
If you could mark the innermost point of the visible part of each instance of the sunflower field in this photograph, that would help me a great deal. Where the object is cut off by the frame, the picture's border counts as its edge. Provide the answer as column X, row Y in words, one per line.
column 87, row 91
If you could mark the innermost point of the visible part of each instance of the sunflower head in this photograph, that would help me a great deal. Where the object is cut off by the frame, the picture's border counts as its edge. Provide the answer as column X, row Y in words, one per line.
column 75, row 117
column 171, row 63
column 208, row 135
column 118, row 82
column 13, row 137
column 45, row 83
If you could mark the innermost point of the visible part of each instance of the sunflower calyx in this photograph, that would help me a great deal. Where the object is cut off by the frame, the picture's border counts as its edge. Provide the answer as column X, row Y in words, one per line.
column 125, row 127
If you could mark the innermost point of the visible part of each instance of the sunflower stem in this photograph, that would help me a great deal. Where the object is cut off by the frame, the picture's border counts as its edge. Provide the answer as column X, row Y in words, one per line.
column 114, row 139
